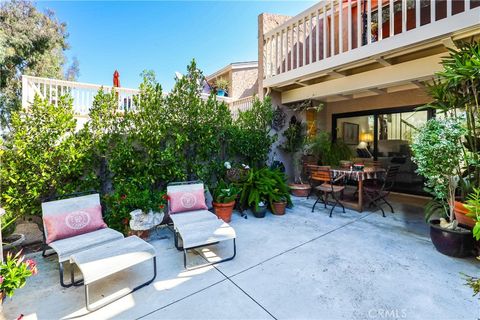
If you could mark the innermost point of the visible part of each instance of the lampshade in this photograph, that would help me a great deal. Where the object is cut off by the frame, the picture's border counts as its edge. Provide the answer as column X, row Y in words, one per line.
column 366, row 137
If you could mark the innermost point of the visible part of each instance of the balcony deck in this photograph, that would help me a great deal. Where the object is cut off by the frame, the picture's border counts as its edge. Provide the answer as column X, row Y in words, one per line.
column 330, row 40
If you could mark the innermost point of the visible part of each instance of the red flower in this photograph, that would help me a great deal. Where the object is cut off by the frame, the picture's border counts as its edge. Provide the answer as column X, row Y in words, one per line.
column 161, row 206
column 125, row 221
column 123, row 196
column 32, row 265
column 165, row 197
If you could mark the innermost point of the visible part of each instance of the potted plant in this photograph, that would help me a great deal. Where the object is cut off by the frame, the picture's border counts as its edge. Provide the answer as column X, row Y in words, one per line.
column 279, row 204
column 437, row 151
column 224, row 196
column 14, row 272
column 294, row 140
column 473, row 207
column 222, row 86
column 260, row 209
column 262, row 186
column 457, row 89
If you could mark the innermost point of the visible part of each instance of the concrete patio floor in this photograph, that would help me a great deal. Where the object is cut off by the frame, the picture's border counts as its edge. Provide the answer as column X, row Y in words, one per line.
column 302, row 265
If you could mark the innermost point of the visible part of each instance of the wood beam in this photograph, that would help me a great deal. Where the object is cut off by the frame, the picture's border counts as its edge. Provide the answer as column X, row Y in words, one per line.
column 419, row 69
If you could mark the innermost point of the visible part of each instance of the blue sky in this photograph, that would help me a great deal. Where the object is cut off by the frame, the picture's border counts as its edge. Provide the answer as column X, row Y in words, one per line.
column 161, row 36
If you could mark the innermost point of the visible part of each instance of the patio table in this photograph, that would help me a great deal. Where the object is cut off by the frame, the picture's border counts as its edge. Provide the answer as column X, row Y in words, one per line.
column 359, row 177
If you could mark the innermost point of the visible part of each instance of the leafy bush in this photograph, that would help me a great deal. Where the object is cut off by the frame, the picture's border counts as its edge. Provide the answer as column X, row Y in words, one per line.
column 437, row 151
column 225, row 193
column 41, row 158
column 264, row 185
column 329, row 152
column 128, row 156
column 250, row 137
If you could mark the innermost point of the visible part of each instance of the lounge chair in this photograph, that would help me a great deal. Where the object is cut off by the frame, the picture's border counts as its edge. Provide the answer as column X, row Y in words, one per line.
column 193, row 225
column 68, row 246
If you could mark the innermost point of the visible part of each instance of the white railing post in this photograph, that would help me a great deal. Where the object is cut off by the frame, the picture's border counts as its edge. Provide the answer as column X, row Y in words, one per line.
column 404, row 15
column 349, row 25
column 340, row 26
column 392, row 18
column 317, row 41
column 369, row 21
column 325, row 41
column 25, row 90
column 417, row 13
column 379, row 20
column 332, row 28
column 432, row 11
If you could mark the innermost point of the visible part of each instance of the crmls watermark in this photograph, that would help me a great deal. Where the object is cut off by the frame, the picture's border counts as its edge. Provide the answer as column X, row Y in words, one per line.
column 387, row 313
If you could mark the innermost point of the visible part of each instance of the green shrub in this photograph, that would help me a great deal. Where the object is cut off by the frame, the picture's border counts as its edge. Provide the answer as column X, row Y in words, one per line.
column 329, row 152
column 250, row 137
column 41, row 158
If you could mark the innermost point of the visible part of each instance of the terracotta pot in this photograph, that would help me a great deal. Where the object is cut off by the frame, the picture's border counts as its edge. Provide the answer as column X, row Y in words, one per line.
column 300, row 189
column 278, row 208
column 224, row 210
column 460, row 214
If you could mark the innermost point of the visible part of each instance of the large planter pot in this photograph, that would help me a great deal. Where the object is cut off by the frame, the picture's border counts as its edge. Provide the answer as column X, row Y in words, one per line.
column 300, row 189
column 460, row 215
column 224, row 210
column 453, row 243
column 220, row 92
column 278, row 208
column 260, row 213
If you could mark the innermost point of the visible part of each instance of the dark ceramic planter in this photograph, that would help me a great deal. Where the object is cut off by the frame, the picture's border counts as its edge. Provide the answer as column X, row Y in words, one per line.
column 452, row 243
column 260, row 213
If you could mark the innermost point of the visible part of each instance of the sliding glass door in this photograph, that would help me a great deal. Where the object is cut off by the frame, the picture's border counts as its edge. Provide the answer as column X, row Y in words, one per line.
column 386, row 136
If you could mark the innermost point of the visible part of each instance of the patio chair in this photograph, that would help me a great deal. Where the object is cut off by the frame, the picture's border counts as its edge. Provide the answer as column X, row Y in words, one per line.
column 311, row 169
column 377, row 190
column 66, row 246
column 193, row 225
column 329, row 186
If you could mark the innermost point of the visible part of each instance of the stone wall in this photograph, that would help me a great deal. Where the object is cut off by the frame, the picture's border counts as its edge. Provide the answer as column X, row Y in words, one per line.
column 244, row 83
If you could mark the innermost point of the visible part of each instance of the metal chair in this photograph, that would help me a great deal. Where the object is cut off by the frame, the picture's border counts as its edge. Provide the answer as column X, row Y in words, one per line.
column 328, row 186
column 311, row 168
column 377, row 190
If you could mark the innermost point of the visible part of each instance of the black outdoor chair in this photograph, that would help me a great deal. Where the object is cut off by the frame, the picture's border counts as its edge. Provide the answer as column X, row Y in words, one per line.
column 377, row 190
column 328, row 186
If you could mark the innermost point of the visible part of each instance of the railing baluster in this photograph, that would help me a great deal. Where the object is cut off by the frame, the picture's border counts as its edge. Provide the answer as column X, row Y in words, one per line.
column 297, row 64
column 317, row 47
column 304, row 47
column 467, row 5
column 417, row 13
column 349, row 25
column 282, row 66
column 325, row 43
column 432, row 11
column 286, row 49
column 369, row 21
column 310, row 36
column 292, row 46
column 380, row 20
column 392, row 18
column 404, row 15
column 271, row 56
column 332, row 28
column 449, row 5
column 276, row 54
column 340, row 26
column 359, row 24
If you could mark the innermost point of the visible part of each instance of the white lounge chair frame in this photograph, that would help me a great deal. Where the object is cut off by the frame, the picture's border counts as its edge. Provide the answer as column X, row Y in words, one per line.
column 209, row 230
column 66, row 247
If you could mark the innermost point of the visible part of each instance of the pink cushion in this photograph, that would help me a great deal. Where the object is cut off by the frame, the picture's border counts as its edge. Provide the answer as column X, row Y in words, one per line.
column 183, row 200
column 69, row 224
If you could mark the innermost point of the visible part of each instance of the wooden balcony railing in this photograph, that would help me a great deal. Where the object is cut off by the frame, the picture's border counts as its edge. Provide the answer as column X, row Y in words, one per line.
column 83, row 94
column 324, row 33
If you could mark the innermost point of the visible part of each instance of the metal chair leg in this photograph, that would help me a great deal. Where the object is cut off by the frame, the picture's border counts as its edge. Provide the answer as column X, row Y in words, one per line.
column 208, row 263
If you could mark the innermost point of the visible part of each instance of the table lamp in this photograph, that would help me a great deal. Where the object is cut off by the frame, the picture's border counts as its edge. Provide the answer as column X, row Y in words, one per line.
column 367, row 137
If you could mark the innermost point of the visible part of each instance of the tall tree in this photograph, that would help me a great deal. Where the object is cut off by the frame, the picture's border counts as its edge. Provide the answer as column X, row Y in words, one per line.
column 33, row 43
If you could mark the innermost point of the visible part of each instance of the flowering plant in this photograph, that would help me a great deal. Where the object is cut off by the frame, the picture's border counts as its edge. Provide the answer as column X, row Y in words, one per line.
column 14, row 272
